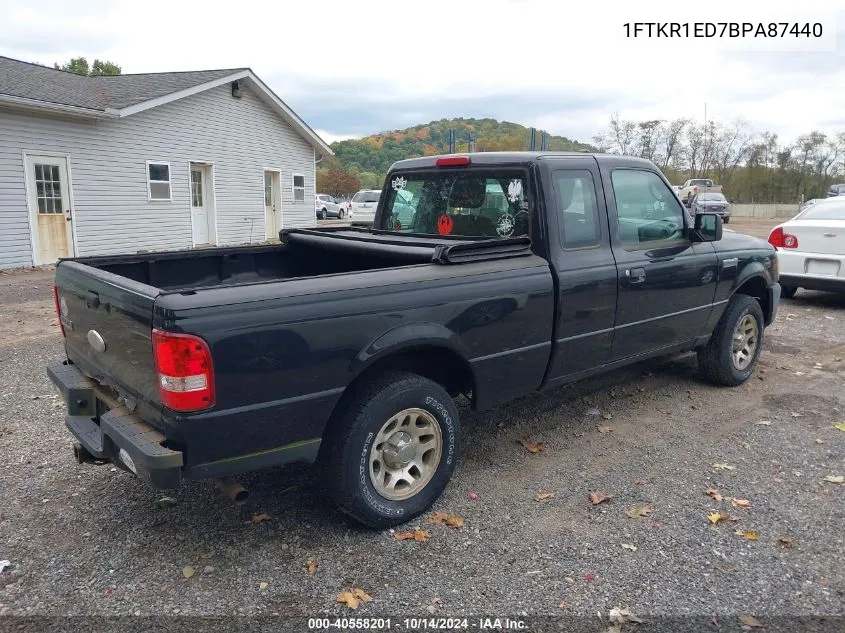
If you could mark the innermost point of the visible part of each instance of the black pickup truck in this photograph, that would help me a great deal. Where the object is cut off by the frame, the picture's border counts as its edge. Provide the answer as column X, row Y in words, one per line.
column 491, row 275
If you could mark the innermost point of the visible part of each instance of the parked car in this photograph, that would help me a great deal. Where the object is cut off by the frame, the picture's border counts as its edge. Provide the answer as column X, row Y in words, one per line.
column 327, row 207
column 836, row 190
column 695, row 186
column 810, row 203
column 811, row 248
column 522, row 271
column 711, row 203
column 362, row 209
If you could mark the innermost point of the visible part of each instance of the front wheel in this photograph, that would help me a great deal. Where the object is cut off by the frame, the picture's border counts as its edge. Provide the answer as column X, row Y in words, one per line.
column 725, row 220
column 731, row 355
column 391, row 452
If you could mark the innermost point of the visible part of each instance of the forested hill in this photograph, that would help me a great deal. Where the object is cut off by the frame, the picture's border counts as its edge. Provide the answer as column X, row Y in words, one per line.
column 377, row 152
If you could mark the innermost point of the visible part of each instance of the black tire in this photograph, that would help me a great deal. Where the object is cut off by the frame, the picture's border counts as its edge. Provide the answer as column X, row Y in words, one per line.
column 725, row 220
column 715, row 360
column 340, row 214
column 322, row 214
column 345, row 453
column 787, row 292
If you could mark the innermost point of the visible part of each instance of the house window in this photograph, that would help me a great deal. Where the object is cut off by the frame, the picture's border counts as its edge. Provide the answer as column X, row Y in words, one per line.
column 158, row 181
column 298, row 188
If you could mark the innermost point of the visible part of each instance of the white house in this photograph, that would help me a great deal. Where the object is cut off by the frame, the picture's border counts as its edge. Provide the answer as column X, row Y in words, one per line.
column 162, row 161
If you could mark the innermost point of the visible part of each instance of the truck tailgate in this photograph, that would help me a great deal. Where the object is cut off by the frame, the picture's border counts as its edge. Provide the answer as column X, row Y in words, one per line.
column 108, row 328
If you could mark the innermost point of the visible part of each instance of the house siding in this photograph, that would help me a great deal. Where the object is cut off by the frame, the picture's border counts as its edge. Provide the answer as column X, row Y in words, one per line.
column 112, row 215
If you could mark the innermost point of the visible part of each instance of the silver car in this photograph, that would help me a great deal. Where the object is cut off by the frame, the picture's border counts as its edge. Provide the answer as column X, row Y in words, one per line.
column 711, row 202
column 327, row 207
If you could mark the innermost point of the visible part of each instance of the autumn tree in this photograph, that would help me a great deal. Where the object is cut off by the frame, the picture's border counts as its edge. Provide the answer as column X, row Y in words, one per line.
column 336, row 181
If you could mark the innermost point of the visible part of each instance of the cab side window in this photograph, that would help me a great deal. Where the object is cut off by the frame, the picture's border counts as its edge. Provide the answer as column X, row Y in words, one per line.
column 575, row 194
column 649, row 214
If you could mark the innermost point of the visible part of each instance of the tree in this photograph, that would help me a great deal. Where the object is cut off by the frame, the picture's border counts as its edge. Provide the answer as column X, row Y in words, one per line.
column 337, row 182
column 79, row 66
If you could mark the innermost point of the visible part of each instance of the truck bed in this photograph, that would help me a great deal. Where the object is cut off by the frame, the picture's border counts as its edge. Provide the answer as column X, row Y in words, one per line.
column 305, row 253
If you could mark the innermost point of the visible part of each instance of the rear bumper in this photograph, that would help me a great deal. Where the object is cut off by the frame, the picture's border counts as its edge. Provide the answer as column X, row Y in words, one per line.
column 808, row 282
column 117, row 435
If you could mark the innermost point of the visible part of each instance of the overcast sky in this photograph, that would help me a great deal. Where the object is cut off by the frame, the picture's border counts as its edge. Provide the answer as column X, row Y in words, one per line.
column 355, row 68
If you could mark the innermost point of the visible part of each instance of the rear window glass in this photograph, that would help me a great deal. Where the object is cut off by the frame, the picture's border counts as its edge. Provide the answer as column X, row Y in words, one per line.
column 366, row 196
column 468, row 203
column 822, row 211
column 712, row 197
column 703, row 183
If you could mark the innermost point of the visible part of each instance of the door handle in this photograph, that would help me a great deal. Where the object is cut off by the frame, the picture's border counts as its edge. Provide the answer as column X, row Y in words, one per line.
column 635, row 275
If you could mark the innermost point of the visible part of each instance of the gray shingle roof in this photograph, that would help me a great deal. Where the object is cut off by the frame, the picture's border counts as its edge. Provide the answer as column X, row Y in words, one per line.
column 31, row 81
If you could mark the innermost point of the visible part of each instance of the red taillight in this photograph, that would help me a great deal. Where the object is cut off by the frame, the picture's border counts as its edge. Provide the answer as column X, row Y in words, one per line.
column 185, row 372
column 57, row 303
column 452, row 161
column 779, row 239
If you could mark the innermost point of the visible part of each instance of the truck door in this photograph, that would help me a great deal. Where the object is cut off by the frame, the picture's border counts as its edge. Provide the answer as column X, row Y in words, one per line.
column 580, row 254
column 666, row 283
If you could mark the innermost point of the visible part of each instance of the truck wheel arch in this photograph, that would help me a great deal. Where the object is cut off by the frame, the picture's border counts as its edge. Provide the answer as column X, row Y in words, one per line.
column 754, row 284
column 426, row 349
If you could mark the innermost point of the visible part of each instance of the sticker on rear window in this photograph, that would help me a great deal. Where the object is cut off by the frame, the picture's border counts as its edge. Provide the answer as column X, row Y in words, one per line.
column 514, row 190
column 445, row 225
column 505, row 225
column 399, row 183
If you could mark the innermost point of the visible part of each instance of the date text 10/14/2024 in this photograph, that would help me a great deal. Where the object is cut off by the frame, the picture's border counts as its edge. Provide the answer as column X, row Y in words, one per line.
column 723, row 29
column 417, row 624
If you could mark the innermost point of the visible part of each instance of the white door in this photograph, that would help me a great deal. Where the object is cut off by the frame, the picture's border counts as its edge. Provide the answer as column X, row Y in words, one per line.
column 51, row 215
column 272, row 205
column 200, row 205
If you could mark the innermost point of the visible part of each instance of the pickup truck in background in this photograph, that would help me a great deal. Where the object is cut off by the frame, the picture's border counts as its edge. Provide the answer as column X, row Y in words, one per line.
column 507, row 273
column 695, row 186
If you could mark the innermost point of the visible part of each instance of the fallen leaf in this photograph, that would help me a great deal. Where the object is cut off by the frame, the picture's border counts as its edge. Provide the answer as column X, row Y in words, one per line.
column 717, row 517
column 417, row 535
column 741, row 503
column 786, row 541
column 607, row 416
column 712, row 492
column 362, row 595
column 562, row 606
column 263, row 585
column 750, row 621
column 639, row 512
column 164, row 502
column 455, row 521
column 587, row 399
column 749, row 535
column 800, row 373
column 820, row 441
column 311, row 566
column 187, row 571
column 542, row 496
column 621, row 616
column 640, row 482
column 834, row 479
column 840, row 426
column 589, row 576
column 532, row 447
column 601, row 428
column 109, row 591
column 764, row 423
column 258, row 518
column 629, row 546
column 452, row 520
column 795, row 414
column 349, row 599
column 473, row 496
column 724, row 467
column 597, row 498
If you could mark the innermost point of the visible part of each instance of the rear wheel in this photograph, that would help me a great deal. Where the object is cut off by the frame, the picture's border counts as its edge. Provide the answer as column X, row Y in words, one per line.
column 323, row 214
column 392, row 451
column 731, row 355
column 725, row 220
column 341, row 214
column 787, row 292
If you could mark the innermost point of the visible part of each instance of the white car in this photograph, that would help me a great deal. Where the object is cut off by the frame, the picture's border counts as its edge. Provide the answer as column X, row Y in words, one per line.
column 362, row 210
column 811, row 248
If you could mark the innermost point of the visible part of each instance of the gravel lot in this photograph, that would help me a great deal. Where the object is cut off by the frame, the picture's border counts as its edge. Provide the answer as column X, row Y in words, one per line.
column 92, row 540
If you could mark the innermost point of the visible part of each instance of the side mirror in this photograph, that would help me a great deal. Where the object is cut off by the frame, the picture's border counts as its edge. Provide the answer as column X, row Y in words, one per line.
column 731, row 201
column 707, row 227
